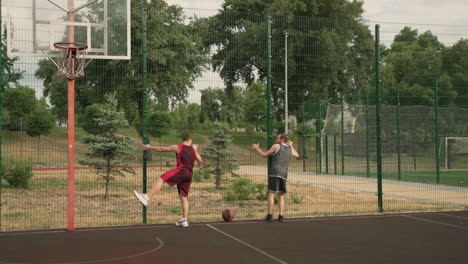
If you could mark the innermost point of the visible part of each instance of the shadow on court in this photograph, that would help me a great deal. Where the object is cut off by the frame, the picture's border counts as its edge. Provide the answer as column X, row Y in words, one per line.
column 440, row 237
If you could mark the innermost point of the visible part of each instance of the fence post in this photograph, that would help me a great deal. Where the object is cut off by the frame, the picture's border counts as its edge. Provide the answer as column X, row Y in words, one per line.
column 378, row 117
column 398, row 132
column 342, row 136
column 268, row 93
column 436, row 113
column 145, row 105
column 1, row 116
column 367, row 137
column 326, row 154
column 335, row 167
column 303, row 144
column 317, row 154
column 319, row 139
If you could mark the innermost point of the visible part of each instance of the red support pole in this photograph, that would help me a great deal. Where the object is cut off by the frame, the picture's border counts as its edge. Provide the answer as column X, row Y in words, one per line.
column 71, row 132
column 71, row 155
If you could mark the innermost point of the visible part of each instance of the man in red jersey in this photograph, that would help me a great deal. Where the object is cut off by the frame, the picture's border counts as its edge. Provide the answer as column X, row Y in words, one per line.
column 186, row 154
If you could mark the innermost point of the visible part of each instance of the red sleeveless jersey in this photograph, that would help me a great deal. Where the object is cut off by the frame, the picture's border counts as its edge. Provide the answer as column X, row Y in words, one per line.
column 182, row 175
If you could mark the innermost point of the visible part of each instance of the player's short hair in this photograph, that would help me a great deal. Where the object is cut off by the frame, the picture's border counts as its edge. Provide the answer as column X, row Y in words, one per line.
column 284, row 137
column 186, row 136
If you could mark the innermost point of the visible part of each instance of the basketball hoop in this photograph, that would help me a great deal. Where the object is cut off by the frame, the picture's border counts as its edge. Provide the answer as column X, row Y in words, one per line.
column 71, row 61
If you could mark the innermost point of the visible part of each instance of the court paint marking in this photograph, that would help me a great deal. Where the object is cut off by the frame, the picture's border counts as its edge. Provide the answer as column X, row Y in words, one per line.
column 456, row 216
column 434, row 222
column 326, row 218
column 248, row 245
column 161, row 245
column 312, row 219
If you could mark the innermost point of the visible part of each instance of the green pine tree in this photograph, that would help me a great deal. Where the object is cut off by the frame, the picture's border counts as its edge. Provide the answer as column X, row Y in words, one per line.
column 107, row 151
column 221, row 160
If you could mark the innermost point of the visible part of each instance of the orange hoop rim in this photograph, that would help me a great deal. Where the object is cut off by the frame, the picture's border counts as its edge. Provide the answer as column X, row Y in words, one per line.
column 71, row 46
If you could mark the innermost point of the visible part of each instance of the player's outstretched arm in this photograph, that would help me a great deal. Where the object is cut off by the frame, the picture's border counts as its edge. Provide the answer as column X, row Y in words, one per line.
column 272, row 150
column 174, row 148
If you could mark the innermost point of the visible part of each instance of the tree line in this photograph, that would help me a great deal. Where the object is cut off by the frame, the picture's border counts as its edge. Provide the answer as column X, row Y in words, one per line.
column 330, row 54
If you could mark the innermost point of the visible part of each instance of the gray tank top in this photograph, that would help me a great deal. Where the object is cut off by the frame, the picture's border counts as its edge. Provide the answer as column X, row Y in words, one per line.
column 280, row 162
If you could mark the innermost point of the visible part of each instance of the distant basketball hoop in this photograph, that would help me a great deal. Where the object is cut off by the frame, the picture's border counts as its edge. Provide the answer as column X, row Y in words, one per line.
column 72, row 59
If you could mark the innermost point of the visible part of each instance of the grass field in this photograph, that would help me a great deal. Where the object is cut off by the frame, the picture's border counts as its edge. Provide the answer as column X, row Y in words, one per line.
column 452, row 178
column 44, row 205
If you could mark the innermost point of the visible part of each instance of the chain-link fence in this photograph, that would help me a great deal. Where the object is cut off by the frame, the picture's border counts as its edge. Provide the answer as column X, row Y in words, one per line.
column 205, row 68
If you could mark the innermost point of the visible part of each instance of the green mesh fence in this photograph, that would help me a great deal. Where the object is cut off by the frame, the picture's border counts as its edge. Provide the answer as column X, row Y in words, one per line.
column 208, row 67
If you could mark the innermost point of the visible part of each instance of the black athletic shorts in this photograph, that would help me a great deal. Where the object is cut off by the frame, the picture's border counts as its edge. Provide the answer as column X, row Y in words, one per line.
column 277, row 185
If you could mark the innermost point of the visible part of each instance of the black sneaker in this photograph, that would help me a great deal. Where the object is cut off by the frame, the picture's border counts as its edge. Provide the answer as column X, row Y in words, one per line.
column 269, row 218
column 280, row 218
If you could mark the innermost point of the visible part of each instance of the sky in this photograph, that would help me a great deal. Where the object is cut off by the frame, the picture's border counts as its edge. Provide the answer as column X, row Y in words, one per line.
column 421, row 14
column 447, row 12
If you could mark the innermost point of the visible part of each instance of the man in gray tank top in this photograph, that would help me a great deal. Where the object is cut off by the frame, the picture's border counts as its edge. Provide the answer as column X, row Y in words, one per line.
column 280, row 153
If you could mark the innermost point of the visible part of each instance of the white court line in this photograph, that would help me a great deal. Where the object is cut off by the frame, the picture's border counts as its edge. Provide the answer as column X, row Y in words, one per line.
column 320, row 218
column 248, row 245
column 456, row 216
column 161, row 244
column 325, row 218
column 435, row 222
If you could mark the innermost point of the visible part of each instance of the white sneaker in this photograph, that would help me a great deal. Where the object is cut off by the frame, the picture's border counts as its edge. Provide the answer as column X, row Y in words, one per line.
column 182, row 222
column 143, row 197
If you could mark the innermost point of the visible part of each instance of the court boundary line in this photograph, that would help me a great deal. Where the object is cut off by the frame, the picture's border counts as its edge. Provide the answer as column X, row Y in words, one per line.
column 248, row 245
column 435, row 222
column 161, row 245
column 87, row 229
column 455, row 216
column 258, row 221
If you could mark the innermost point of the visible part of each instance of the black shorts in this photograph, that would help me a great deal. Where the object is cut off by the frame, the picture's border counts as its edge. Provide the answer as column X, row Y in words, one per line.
column 277, row 185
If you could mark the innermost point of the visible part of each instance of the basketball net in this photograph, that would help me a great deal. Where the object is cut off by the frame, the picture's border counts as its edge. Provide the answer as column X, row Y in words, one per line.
column 72, row 59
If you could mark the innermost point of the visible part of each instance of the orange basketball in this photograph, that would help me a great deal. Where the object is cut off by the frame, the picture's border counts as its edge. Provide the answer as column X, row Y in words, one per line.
column 228, row 215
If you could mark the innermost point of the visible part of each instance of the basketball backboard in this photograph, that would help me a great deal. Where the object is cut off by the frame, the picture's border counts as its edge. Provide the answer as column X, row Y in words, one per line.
column 33, row 26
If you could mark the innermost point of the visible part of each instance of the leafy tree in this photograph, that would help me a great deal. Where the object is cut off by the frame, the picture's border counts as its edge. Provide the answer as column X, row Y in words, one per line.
column 159, row 124
column 107, row 151
column 20, row 101
column 40, row 121
column 55, row 89
column 417, row 142
column 232, row 106
column 415, row 62
column 255, row 105
column 221, row 159
column 304, row 134
column 186, row 116
column 176, row 57
column 455, row 63
column 210, row 105
column 343, row 46
column 10, row 76
column 88, row 121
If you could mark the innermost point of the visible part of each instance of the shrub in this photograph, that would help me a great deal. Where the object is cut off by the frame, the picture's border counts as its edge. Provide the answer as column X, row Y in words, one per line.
column 296, row 199
column 262, row 192
column 88, row 119
column 159, row 124
column 17, row 172
column 202, row 174
column 240, row 189
column 39, row 122
column 249, row 128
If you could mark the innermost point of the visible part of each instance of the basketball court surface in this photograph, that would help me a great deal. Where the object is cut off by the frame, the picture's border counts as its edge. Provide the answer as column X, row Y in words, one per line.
column 438, row 237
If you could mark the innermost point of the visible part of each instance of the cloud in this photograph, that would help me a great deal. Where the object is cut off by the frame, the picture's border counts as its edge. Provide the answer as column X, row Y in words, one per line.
column 448, row 12
column 205, row 4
